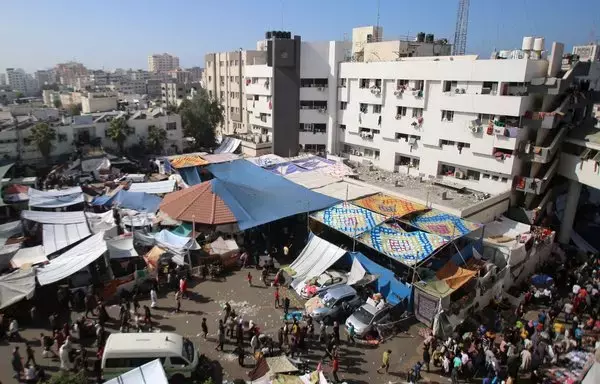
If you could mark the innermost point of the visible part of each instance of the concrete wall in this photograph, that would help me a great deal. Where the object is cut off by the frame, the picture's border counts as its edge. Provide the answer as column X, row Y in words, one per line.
column 92, row 103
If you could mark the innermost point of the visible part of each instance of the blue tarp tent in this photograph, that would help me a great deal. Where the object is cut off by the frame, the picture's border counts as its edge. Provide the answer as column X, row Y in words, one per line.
column 393, row 290
column 138, row 201
column 257, row 196
column 190, row 175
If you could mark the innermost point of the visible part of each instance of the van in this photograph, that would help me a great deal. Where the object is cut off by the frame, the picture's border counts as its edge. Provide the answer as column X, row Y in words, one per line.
column 126, row 351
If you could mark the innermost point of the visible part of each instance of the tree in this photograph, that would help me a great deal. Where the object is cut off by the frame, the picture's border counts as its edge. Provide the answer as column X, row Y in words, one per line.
column 75, row 109
column 57, row 103
column 200, row 116
column 118, row 130
column 18, row 95
column 42, row 135
column 156, row 139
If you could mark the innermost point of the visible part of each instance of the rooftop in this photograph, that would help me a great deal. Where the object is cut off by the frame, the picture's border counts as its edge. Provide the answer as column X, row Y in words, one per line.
column 123, row 343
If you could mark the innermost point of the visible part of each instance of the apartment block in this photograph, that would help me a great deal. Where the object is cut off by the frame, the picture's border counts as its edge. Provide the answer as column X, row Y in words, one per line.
column 162, row 62
column 98, row 102
column 173, row 93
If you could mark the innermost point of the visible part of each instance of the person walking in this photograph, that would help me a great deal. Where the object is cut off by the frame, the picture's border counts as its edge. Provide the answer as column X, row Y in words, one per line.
column 183, row 287
column 276, row 297
column 204, row 328
column 249, row 278
column 254, row 343
column 241, row 354
column 147, row 317
column 153, row 298
column 17, row 363
column 280, row 338
column 286, row 306
column 227, row 309
column 385, row 361
column 220, row 336
column 136, row 303
column 351, row 334
column 426, row 357
column 47, row 343
column 178, row 295
column 30, row 354
column 336, row 332
column 335, row 367
column 456, row 364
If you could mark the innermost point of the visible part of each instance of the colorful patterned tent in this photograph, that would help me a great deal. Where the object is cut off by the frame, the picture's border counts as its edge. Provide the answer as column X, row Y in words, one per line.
column 285, row 168
column 184, row 161
column 389, row 206
column 409, row 248
column 442, row 224
column 349, row 219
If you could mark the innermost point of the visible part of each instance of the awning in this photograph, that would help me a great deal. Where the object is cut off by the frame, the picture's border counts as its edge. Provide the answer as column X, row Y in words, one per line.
column 47, row 217
column 393, row 290
column 100, row 221
column 144, row 239
column 221, row 157
column 228, row 145
column 266, row 160
column 175, row 243
column 59, row 236
column 16, row 286
column 73, row 260
column 315, row 258
column 153, row 256
column 442, row 224
column 184, row 161
column 55, row 198
column 157, row 187
column 390, row 206
column 10, row 229
column 29, row 256
column 349, row 218
column 121, row 248
column 138, row 201
column 149, row 373
column 222, row 246
column 357, row 272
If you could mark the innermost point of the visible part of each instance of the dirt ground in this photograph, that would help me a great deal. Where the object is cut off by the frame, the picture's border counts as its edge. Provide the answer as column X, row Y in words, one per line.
column 358, row 364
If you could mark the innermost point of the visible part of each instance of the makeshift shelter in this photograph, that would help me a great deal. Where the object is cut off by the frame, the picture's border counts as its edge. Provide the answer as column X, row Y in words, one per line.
column 137, row 201
column 223, row 247
column 312, row 179
column 56, row 198
column 184, row 229
column 4, row 170
column 7, row 252
column 220, row 157
column 121, row 248
column 197, row 204
column 313, row 162
column 153, row 256
column 228, row 145
column 285, row 169
column 175, row 243
column 256, row 196
column 49, row 217
column 315, row 258
column 389, row 206
column 59, row 236
column 190, row 175
column 149, row 373
column 408, row 248
column 16, row 286
column 8, row 230
column 442, row 224
column 28, row 257
column 345, row 191
column 156, row 188
column 387, row 285
column 100, row 221
column 73, row 260
column 266, row 160
column 16, row 193
column 187, row 160
column 270, row 366
column 348, row 218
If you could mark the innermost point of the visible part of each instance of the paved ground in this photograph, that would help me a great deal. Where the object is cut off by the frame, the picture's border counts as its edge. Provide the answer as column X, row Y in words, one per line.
column 358, row 363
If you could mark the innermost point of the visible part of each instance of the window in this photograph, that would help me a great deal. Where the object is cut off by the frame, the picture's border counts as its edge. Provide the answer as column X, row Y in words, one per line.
column 221, row 63
column 485, row 176
column 377, row 83
column 473, row 175
column 485, row 118
column 417, row 112
column 504, row 180
column 306, row 127
column 210, row 94
column 209, row 78
column 254, row 80
column 450, row 86
column 419, row 85
column 489, row 88
column 376, row 108
column 222, row 95
column 401, row 83
column 400, row 111
column 235, row 62
column 178, row 361
column 171, row 126
column 343, row 83
column 237, row 79
column 447, row 115
column 364, row 83
column 320, row 128
column 363, row 108
column 342, row 127
column 343, row 105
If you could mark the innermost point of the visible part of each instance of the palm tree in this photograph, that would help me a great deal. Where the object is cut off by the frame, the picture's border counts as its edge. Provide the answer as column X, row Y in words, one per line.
column 42, row 135
column 156, row 139
column 118, row 130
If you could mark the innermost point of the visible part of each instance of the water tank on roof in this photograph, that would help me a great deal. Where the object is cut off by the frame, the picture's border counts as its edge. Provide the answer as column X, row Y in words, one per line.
column 429, row 38
column 268, row 35
column 527, row 43
column 538, row 44
column 420, row 37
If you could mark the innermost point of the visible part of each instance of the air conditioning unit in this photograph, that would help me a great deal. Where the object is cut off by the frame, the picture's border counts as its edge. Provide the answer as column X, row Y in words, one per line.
column 398, row 117
column 463, row 91
column 369, row 136
column 459, row 175
column 415, row 93
column 322, row 110
column 475, row 128
column 398, row 93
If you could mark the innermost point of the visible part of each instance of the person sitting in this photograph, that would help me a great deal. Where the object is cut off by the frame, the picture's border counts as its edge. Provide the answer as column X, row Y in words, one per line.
column 30, row 374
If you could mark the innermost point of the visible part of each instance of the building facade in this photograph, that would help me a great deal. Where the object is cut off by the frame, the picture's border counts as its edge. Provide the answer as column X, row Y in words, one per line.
column 17, row 79
column 162, row 62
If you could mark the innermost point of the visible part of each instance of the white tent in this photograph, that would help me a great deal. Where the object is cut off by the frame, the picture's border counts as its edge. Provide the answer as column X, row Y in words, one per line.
column 228, row 145
column 175, row 243
column 9, row 229
column 16, row 286
column 121, row 248
column 73, row 260
column 47, row 217
column 315, row 258
column 149, row 373
column 59, row 236
column 222, row 246
column 55, row 198
column 28, row 256
column 357, row 272
column 100, row 221
column 157, row 187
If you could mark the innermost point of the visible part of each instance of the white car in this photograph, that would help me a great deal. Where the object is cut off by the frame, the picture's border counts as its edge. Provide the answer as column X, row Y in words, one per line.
column 323, row 282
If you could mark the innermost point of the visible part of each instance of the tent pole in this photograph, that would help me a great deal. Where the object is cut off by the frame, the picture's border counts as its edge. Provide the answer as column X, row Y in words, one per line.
column 193, row 239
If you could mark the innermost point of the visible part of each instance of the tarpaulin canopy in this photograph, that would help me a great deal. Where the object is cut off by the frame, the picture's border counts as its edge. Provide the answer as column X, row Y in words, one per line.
column 190, row 175
column 389, row 206
column 184, row 161
column 28, row 256
column 149, row 373
column 345, row 191
column 157, row 187
column 221, row 246
column 73, row 260
column 451, row 277
column 312, row 179
column 100, row 221
column 266, row 160
column 10, row 229
column 16, row 286
column 138, row 201
column 48, row 217
column 408, row 248
column 55, row 198
column 285, row 169
column 313, row 162
column 256, row 196
column 197, row 204
column 442, row 224
column 221, row 157
column 121, row 247
column 59, row 236
column 184, row 229
column 178, row 244
column 357, row 272
column 91, row 165
column 315, row 258
column 228, row 145
column 393, row 290
column 144, row 238
column 348, row 218
column 16, row 193
column 153, row 256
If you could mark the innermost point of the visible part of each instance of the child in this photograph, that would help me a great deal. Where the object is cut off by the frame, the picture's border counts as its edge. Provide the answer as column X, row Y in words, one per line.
column 249, row 277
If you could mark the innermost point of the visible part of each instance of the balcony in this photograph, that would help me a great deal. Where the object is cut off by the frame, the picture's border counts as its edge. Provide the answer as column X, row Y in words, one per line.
column 343, row 93
column 259, row 106
column 314, row 93
column 313, row 138
column 405, row 96
column 582, row 168
column 369, row 120
column 260, row 120
column 545, row 152
column 313, row 115
column 537, row 185
column 370, row 95
column 262, row 87
column 488, row 104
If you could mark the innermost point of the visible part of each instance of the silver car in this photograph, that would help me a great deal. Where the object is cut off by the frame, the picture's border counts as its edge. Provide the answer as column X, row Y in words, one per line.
column 323, row 282
column 334, row 304
column 365, row 317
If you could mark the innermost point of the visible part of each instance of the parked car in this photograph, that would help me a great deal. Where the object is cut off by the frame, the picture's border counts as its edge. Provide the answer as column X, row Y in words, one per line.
column 336, row 303
column 323, row 282
column 364, row 318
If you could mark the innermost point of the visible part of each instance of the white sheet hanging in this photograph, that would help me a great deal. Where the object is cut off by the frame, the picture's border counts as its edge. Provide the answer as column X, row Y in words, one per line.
column 16, row 286
column 55, row 198
column 357, row 272
column 73, row 260
column 315, row 258
column 100, row 221
column 46, row 217
column 156, row 187
column 121, row 248
column 59, row 236
column 28, row 256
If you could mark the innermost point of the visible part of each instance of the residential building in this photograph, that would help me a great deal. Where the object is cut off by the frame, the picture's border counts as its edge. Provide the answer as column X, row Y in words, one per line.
column 42, row 78
column 98, row 102
column 67, row 73
column 590, row 52
column 153, row 88
column 162, row 62
column 3, row 80
column 173, row 93
column 70, row 98
column 195, row 74
column 17, row 79
column 49, row 96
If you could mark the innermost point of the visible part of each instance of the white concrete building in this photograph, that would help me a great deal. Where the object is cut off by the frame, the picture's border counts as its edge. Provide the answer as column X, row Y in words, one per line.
column 17, row 79
column 98, row 102
column 2, row 79
column 162, row 62
column 589, row 52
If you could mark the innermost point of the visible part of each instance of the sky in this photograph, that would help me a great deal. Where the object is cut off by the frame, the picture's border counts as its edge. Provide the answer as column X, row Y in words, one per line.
column 113, row 34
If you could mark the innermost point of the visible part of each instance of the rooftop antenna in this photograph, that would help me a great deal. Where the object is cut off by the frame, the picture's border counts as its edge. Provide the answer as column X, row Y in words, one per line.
column 460, row 31
column 377, row 25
